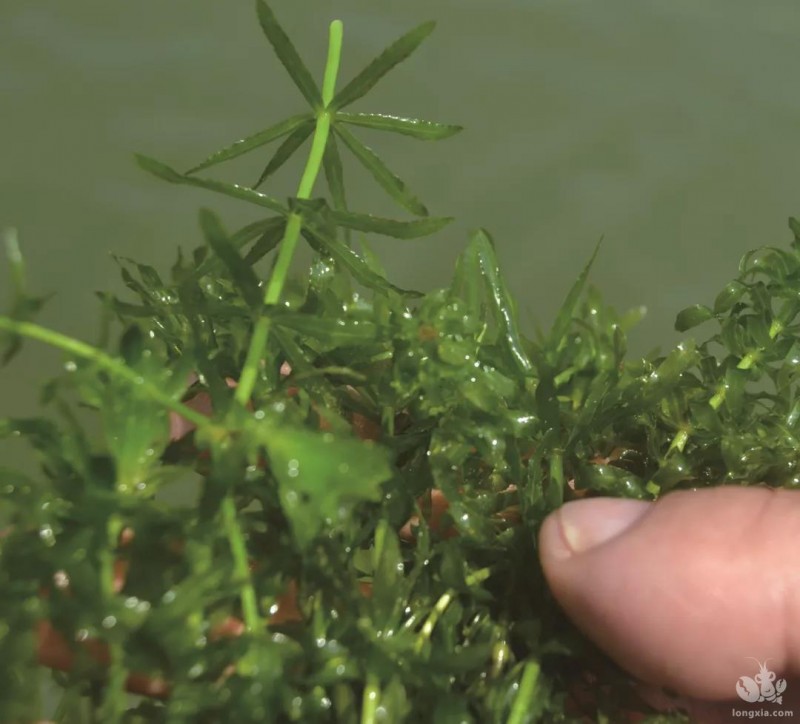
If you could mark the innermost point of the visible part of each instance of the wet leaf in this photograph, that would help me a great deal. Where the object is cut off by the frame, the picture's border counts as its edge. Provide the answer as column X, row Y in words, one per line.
column 289, row 126
column 692, row 317
column 334, row 174
column 241, row 272
column 235, row 191
column 320, row 476
column 389, row 227
column 285, row 151
column 414, row 127
column 390, row 183
column 396, row 53
column 288, row 55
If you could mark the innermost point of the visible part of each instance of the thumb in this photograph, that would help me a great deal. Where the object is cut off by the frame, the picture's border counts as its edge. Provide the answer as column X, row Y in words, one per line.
column 687, row 591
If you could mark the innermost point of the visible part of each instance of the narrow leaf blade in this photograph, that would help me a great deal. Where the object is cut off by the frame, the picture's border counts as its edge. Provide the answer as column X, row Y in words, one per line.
column 284, row 152
column 235, row 191
column 317, row 220
column 334, row 173
column 288, row 55
column 396, row 53
column 501, row 299
column 390, row 182
column 255, row 141
column 390, row 227
column 241, row 272
column 329, row 330
column 413, row 127
column 565, row 314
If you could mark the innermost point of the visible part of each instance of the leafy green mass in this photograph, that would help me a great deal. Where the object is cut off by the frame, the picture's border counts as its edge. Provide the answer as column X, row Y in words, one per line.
column 310, row 570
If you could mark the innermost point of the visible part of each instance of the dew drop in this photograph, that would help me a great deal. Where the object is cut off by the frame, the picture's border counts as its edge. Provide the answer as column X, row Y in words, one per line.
column 70, row 366
column 196, row 671
column 47, row 535
column 109, row 622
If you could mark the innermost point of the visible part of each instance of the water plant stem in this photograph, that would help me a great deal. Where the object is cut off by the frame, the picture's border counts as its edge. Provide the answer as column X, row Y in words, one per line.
column 108, row 363
column 520, row 712
column 114, row 698
column 370, row 700
column 294, row 221
column 241, row 565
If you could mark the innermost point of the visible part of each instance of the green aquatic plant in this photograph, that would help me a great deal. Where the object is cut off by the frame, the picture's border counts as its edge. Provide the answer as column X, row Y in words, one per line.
column 362, row 469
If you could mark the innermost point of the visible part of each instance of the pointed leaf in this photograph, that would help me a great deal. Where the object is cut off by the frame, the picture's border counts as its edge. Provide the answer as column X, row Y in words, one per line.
column 318, row 475
column 255, row 141
column 467, row 281
column 235, row 191
column 23, row 306
column 692, row 316
column 296, row 139
column 501, row 298
column 267, row 241
column 328, row 330
column 794, row 226
column 257, row 230
column 15, row 261
column 396, row 53
column 288, row 55
column 241, row 272
column 565, row 314
column 390, row 183
column 390, row 227
column 414, row 127
column 318, row 228
column 334, row 173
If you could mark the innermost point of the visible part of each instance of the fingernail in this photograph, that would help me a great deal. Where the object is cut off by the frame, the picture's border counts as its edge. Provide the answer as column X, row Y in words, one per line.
column 586, row 524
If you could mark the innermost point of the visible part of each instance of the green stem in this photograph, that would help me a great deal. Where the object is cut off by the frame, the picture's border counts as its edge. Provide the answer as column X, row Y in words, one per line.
column 524, row 697
column 679, row 441
column 473, row 579
column 106, row 362
column 294, row 221
column 241, row 565
column 370, row 699
column 718, row 398
column 114, row 698
column 748, row 360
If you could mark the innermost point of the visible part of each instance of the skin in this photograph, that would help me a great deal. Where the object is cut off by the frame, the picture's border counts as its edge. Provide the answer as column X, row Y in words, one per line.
column 682, row 591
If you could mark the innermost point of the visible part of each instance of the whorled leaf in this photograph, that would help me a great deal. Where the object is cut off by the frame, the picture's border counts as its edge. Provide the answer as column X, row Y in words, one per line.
column 241, row 272
column 288, row 55
column 235, row 191
column 389, row 227
column 396, row 53
column 285, row 151
column 390, row 182
column 290, row 125
column 413, row 127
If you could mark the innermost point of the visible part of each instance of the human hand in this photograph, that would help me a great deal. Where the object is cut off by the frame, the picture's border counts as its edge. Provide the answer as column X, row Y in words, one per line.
column 685, row 592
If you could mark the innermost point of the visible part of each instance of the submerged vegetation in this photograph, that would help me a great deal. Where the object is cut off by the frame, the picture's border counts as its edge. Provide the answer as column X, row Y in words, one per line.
column 370, row 465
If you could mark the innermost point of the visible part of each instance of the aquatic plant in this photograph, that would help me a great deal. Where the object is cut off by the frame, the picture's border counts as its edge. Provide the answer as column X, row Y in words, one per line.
column 363, row 468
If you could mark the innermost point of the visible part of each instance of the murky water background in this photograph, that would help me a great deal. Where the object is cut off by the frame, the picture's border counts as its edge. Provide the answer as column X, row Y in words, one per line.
column 671, row 127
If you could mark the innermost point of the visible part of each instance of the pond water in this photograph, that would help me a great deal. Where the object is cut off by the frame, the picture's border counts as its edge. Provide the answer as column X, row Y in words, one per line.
column 669, row 127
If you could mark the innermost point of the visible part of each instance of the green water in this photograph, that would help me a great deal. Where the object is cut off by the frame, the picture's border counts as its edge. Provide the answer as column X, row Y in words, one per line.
column 669, row 127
